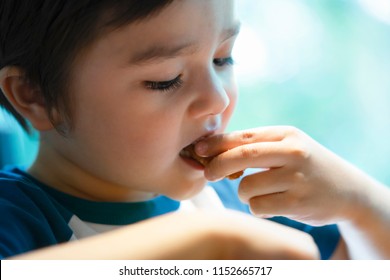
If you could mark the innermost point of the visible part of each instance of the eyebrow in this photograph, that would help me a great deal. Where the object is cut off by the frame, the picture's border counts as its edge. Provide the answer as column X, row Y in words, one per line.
column 161, row 52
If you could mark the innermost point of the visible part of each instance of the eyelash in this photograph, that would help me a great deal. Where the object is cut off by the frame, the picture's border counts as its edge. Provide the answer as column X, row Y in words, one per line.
column 165, row 86
column 176, row 83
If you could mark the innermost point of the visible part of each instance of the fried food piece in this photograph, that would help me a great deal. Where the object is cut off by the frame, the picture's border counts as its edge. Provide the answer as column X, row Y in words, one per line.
column 235, row 175
column 190, row 152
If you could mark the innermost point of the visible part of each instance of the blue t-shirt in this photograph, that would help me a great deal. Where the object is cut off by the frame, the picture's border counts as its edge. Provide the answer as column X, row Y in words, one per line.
column 34, row 215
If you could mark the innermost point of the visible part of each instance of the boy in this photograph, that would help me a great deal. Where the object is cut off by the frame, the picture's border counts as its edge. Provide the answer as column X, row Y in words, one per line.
column 118, row 90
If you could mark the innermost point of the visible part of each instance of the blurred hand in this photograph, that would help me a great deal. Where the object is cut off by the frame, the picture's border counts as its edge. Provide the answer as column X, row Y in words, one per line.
column 194, row 235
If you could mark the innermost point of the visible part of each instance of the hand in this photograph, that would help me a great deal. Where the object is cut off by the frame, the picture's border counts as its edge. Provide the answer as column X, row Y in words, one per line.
column 196, row 235
column 302, row 180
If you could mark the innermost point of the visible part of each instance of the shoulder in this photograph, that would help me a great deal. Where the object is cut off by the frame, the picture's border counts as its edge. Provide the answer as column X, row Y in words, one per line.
column 29, row 216
column 18, row 189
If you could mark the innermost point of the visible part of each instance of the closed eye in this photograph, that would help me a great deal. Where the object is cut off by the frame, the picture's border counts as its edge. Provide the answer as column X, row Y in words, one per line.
column 170, row 85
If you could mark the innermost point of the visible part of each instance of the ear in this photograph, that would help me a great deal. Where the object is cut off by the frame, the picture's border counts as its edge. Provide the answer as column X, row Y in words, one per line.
column 24, row 97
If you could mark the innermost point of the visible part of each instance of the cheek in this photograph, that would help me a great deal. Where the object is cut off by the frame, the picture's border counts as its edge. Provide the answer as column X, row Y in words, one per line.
column 151, row 135
column 134, row 138
column 139, row 145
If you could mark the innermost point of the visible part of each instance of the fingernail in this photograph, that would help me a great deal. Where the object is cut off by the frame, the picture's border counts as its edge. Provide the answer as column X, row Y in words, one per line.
column 211, row 177
column 201, row 148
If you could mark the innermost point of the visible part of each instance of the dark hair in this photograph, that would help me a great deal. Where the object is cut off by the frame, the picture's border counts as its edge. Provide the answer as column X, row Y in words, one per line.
column 43, row 37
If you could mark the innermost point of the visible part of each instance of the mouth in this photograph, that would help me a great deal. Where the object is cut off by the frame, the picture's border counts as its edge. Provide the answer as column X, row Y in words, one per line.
column 188, row 153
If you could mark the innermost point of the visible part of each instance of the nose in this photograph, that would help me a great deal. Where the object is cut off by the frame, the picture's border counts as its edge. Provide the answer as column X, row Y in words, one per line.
column 210, row 95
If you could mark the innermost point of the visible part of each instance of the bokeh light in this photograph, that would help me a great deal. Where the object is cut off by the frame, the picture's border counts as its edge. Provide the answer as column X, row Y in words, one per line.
column 323, row 66
column 377, row 8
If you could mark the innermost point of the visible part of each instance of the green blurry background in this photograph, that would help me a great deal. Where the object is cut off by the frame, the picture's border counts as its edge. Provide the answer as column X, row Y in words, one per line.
column 320, row 65
column 323, row 66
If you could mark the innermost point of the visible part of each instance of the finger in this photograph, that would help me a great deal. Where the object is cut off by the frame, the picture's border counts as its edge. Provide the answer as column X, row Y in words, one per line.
column 263, row 183
column 255, row 155
column 217, row 144
column 275, row 204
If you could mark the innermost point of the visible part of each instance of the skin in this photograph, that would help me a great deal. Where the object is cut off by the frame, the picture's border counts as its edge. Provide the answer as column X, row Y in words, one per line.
column 306, row 182
column 198, row 235
column 133, row 154
column 126, row 138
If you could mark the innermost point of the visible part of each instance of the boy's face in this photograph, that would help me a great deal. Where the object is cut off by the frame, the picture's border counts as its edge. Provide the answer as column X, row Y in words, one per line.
column 145, row 91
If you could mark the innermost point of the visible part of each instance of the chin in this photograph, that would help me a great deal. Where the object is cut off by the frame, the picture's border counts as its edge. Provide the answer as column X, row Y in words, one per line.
column 187, row 190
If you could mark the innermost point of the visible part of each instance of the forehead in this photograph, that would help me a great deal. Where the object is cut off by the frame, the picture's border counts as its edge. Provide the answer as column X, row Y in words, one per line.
column 184, row 22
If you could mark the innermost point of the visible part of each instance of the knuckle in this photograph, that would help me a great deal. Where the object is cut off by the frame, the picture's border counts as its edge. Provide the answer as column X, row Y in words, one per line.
column 299, row 151
column 298, row 177
column 247, row 135
column 248, row 152
column 297, row 148
column 291, row 130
